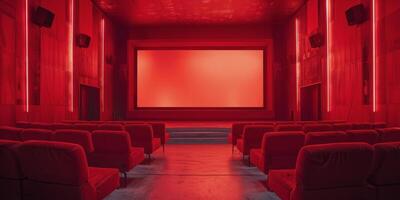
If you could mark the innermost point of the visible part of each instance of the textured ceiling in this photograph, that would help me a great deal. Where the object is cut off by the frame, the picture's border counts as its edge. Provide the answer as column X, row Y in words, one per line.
column 198, row 12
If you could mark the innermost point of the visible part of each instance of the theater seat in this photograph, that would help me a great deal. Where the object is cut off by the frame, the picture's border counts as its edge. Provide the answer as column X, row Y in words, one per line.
column 252, row 137
column 110, row 127
column 142, row 136
column 86, row 126
column 56, row 170
column 83, row 138
column 289, row 127
column 328, row 172
column 36, row 134
column 279, row 150
column 342, row 127
column 236, row 132
column 385, row 174
column 368, row 136
column 60, row 126
column 362, row 126
column 379, row 125
column 325, row 137
column 113, row 150
column 389, row 135
column 10, row 133
column 317, row 127
column 10, row 171
column 160, row 132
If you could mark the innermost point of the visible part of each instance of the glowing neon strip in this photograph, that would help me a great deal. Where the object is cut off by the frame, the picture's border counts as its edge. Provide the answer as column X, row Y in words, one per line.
column 374, row 70
column 297, row 65
column 71, row 58
column 27, row 55
column 102, row 63
column 328, row 55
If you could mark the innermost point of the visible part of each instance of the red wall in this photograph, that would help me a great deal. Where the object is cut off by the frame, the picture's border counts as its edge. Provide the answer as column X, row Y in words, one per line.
column 351, row 57
column 48, row 51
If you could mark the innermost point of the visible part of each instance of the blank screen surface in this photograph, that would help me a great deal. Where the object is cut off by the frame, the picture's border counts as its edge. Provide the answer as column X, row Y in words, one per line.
column 199, row 78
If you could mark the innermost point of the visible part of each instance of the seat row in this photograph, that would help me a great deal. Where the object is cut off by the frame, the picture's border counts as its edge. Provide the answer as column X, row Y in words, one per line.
column 240, row 129
column 103, row 148
column 157, row 130
column 345, row 171
column 50, row 170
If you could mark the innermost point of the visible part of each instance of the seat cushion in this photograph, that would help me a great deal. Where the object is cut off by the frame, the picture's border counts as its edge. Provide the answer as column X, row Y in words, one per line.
column 105, row 180
column 282, row 182
column 137, row 155
column 256, row 157
column 156, row 143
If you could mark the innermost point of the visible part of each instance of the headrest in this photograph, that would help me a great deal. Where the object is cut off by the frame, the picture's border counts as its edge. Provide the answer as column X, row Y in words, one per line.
column 111, row 141
column 81, row 137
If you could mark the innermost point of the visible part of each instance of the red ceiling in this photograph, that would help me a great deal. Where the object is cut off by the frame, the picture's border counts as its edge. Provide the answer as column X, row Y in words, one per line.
column 198, row 12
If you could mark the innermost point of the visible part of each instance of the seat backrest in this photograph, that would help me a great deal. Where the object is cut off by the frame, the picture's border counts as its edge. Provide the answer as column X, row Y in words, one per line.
column 379, row 125
column 10, row 167
column 111, row 142
column 282, row 143
column 368, row 136
column 317, row 127
column 23, row 124
column 79, row 137
column 334, row 165
column 86, row 126
column 342, row 127
column 386, row 165
column 41, row 125
column 60, row 126
column 237, row 129
column 10, row 133
column 362, row 126
column 36, row 134
column 110, row 127
column 140, row 130
column 257, row 129
column 289, row 127
column 325, row 137
column 54, row 162
column 389, row 135
column 158, row 129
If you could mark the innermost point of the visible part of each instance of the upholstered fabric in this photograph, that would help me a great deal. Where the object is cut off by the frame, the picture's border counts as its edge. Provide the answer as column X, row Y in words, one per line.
column 111, row 127
column 333, row 165
column 282, row 182
column 160, row 132
column 325, row 137
column 111, row 141
column 86, row 126
column 10, row 171
column 342, row 126
column 362, row 126
column 280, row 149
column 142, row 136
column 317, row 127
column 80, row 137
column 389, row 135
column 256, row 158
column 289, row 127
column 237, row 131
column 10, row 133
column 252, row 136
column 62, row 126
column 36, row 134
column 386, row 164
column 105, row 180
column 368, row 136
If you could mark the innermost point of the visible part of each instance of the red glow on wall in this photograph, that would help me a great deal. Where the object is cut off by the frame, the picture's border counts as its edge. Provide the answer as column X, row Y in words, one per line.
column 328, row 55
column 200, row 78
column 297, row 65
column 374, row 62
column 71, row 58
column 102, row 49
column 26, row 55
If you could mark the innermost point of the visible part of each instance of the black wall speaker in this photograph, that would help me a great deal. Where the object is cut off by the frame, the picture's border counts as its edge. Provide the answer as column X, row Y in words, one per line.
column 356, row 15
column 316, row 40
column 83, row 40
column 43, row 17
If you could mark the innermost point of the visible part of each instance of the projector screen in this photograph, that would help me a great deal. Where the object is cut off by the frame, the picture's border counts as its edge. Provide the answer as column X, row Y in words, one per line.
column 200, row 78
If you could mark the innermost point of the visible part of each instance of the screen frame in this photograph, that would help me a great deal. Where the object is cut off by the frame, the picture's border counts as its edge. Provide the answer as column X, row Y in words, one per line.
column 264, row 70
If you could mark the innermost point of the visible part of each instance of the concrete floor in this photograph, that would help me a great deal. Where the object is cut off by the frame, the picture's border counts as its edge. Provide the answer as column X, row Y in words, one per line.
column 195, row 171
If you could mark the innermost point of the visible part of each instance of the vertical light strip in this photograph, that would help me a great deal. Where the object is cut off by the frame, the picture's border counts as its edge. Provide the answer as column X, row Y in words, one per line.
column 374, row 67
column 102, row 38
column 71, row 58
column 297, row 64
column 328, row 55
column 27, row 55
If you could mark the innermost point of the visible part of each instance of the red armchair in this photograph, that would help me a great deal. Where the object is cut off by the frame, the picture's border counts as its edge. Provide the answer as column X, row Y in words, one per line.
column 160, row 132
column 10, row 133
column 82, row 138
column 142, row 136
column 368, row 136
column 10, row 171
column 56, row 170
column 279, row 150
column 236, row 133
column 326, row 171
column 252, row 137
column 317, row 127
column 113, row 150
column 36, row 134
column 385, row 174
column 325, row 137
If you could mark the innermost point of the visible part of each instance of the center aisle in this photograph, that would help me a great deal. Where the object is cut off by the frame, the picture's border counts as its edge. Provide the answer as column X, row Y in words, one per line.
column 195, row 171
